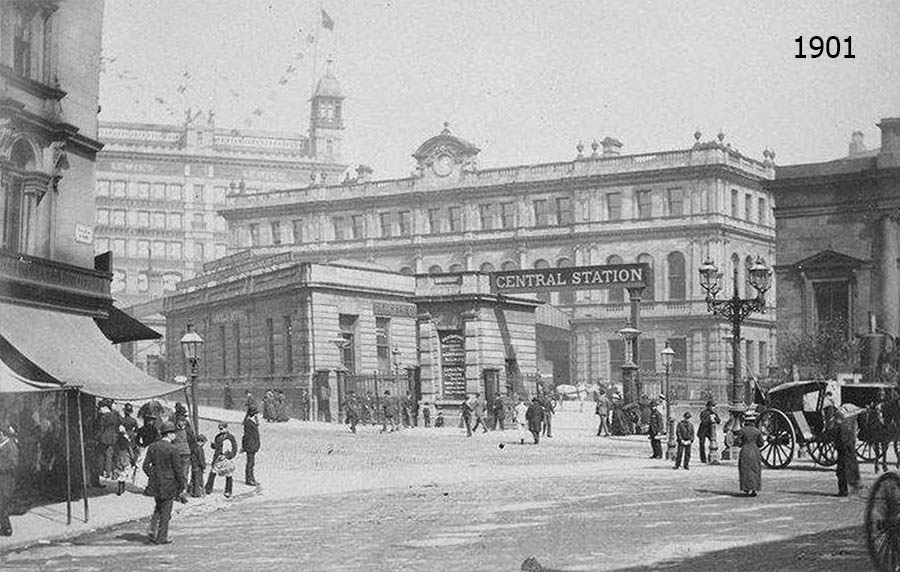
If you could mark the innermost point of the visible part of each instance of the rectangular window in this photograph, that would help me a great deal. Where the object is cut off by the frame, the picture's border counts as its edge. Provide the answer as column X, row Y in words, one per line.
column 118, row 247
column 102, row 188
column 763, row 360
column 198, row 251
column 159, row 192
column 102, row 217
column 131, row 248
column 143, row 219
column 748, row 207
column 508, row 215
column 143, row 190
column 119, row 189
column 387, row 225
column 359, row 227
column 434, row 221
column 221, row 249
column 735, row 207
column 383, row 344
column 675, row 202
column 198, row 221
column 832, row 306
column 236, row 334
column 270, row 344
column 456, row 224
column 117, row 218
column 762, row 211
column 541, row 216
column 173, row 221
column 298, row 231
column 224, row 349
column 174, row 251
column 347, row 325
column 614, row 206
column 198, row 193
column 132, row 190
column 219, row 194
column 173, row 193
column 679, row 360
column 159, row 220
column 254, row 234
column 564, row 211
column 143, row 282
column 750, row 356
column 486, row 216
column 288, row 344
column 405, row 222
column 22, row 49
column 143, row 249
column 101, row 245
column 158, row 250
column 338, row 224
column 276, row 232
column 644, row 204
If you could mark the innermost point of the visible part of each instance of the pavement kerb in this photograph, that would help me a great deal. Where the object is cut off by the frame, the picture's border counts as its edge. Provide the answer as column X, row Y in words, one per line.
column 193, row 505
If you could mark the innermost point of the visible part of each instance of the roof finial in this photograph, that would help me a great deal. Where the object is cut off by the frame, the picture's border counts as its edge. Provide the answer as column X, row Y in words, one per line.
column 446, row 130
column 328, row 63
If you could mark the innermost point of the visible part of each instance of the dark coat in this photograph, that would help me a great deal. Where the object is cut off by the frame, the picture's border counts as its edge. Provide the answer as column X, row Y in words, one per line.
column 749, row 439
column 9, row 460
column 147, row 434
column 708, row 418
column 684, row 432
column 656, row 423
column 219, row 448
column 535, row 417
column 108, row 426
column 162, row 466
column 250, row 440
column 478, row 408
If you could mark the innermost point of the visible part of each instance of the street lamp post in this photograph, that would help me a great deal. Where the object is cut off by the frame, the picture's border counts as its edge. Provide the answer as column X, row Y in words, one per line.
column 736, row 310
column 191, row 342
column 667, row 355
column 629, row 369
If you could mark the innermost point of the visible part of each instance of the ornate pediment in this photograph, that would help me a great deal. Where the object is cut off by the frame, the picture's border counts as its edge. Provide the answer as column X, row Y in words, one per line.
column 445, row 153
column 830, row 261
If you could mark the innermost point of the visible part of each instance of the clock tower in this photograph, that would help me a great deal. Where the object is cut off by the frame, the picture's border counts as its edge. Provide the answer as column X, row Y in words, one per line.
column 326, row 121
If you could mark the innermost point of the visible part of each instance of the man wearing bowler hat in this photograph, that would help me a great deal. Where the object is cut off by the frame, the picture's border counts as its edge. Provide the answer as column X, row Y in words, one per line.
column 684, row 433
column 708, row 419
column 250, row 443
column 166, row 482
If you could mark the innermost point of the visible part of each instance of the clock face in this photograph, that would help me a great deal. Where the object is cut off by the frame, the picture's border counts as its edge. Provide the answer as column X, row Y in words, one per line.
column 443, row 165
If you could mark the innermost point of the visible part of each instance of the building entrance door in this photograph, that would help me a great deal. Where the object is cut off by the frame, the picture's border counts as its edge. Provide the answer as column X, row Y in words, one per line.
column 322, row 395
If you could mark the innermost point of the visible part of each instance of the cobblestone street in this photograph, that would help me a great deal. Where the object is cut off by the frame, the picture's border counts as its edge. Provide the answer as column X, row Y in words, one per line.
column 434, row 500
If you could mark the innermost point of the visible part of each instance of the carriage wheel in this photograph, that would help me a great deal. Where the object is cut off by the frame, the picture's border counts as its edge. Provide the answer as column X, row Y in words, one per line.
column 778, row 449
column 823, row 452
column 883, row 523
column 865, row 451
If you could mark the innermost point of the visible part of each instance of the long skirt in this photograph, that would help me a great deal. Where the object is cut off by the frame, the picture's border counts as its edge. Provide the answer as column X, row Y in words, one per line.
column 750, row 468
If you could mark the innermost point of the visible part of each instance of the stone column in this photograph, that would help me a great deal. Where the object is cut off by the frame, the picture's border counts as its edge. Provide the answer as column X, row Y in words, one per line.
column 890, row 277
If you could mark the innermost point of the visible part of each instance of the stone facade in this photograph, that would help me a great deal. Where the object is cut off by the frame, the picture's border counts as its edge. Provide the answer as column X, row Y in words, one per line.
column 837, row 240
column 669, row 209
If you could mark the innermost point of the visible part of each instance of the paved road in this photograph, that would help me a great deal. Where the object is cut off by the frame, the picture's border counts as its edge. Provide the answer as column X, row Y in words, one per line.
column 425, row 501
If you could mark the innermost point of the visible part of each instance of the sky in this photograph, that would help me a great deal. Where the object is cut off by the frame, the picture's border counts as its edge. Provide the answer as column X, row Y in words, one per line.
column 523, row 80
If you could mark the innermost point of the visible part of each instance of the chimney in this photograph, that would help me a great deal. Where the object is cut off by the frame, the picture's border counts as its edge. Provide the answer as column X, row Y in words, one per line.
column 364, row 173
column 856, row 144
column 889, row 156
column 611, row 146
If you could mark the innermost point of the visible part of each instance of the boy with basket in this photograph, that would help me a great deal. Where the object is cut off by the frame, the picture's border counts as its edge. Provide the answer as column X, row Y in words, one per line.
column 224, row 447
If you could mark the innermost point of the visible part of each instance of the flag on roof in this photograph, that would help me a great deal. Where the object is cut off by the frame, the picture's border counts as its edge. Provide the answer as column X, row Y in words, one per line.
column 327, row 22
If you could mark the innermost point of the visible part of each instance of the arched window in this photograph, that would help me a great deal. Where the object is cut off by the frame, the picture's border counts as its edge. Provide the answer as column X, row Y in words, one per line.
column 455, row 268
column 487, row 267
column 566, row 297
column 407, row 271
column 649, row 290
column 541, row 263
column 435, row 269
column 675, row 269
column 616, row 294
column 15, row 208
column 509, row 265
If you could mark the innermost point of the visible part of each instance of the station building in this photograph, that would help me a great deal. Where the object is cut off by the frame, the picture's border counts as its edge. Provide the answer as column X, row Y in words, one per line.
column 319, row 330
column 669, row 209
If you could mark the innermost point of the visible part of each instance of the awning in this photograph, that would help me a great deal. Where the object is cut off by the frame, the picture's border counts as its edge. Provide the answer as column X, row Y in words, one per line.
column 12, row 382
column 120, row 327
column 72, row 350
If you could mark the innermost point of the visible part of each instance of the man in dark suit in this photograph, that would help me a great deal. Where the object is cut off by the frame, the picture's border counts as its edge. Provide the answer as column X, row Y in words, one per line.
column 655, row 430
column 165, row 482
column 9, row 460
column 250, row 444
column 684, row 433
column 535, row 417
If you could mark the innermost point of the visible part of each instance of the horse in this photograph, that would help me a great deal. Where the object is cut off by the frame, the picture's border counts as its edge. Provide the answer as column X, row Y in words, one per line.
column 879, row 425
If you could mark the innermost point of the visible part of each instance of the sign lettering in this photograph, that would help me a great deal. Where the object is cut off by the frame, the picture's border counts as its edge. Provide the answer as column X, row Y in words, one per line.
column 394, row 309
column 572, row 278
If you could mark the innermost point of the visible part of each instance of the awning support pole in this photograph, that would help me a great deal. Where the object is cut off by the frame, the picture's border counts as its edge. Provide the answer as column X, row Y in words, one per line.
column 84, row 482
column 68, row 462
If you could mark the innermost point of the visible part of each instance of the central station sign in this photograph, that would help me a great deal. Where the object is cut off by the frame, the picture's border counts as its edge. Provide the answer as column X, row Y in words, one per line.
column 571, row 278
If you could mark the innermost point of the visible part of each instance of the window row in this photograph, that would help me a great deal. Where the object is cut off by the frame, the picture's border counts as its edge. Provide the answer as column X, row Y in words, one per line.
column 225, row 348
column 158, row 191
column 125, row 282
column 159, row 250
column 753, row 209
column 160, row 220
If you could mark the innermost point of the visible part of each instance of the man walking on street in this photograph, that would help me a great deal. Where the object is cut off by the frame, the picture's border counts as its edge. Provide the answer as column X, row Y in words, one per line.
column 708, row 419
column 389, row 413
column 9, row 460
column 466, row 411
column 602, row 410
column 684, row 433
column 498, row 413
column 847, row 468
column 478, row 413
column 547, row 404
column 535, row 417
column 224, row 448
column 250, row 444
column 166, row 482
column 352, row 410
column 655, row 431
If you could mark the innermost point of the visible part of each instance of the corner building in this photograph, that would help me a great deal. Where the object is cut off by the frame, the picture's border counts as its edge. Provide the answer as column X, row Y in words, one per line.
column 668, row 209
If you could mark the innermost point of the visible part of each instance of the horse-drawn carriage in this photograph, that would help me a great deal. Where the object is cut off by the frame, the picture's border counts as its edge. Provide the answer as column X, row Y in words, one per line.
column 793, row 416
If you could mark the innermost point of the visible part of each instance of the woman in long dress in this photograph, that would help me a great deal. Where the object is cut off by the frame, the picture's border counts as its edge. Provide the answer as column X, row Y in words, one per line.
column 749, row 439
